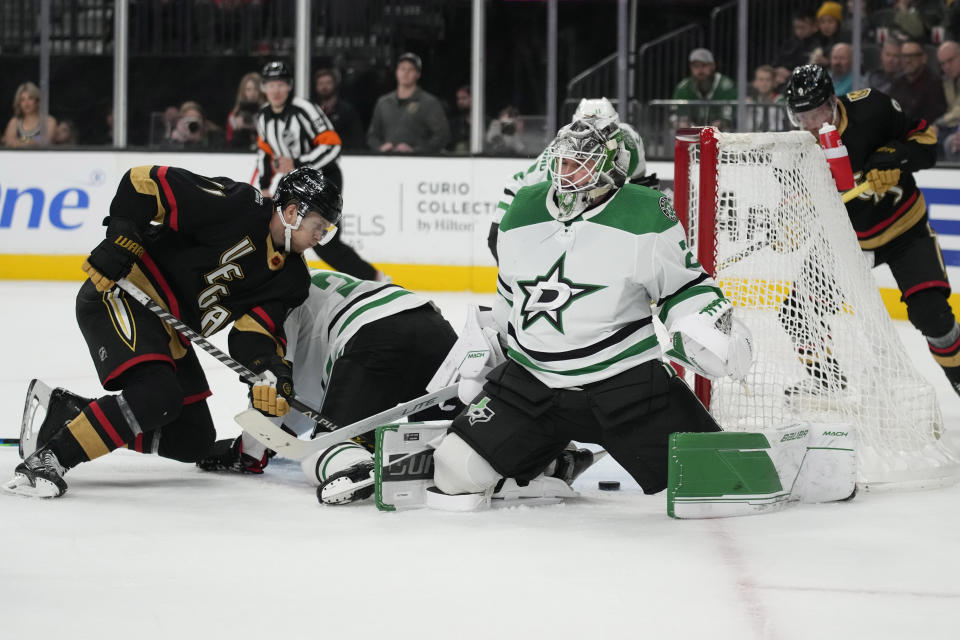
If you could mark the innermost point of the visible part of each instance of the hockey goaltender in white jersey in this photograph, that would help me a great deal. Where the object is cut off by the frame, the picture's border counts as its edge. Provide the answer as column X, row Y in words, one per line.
column 583, row 259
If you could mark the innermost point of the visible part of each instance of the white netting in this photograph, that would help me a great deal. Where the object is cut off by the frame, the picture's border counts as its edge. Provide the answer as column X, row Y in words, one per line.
column 826, row 348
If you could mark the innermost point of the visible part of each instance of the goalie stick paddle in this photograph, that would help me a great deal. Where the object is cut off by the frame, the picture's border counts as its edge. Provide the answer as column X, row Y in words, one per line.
column 269, row 434
column 248, row 376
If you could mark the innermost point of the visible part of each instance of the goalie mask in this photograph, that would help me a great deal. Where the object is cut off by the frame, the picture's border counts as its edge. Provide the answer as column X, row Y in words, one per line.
column 587, row 160
column 313, row 193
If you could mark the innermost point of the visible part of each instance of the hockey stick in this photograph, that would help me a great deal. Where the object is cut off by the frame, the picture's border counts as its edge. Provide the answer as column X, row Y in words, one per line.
column 248, row 376
column 856, row 191
column 846, row 196
column 9, row 442
column 288, row 446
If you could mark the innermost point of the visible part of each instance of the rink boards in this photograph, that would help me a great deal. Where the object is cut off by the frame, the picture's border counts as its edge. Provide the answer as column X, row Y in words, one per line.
column 423, row 220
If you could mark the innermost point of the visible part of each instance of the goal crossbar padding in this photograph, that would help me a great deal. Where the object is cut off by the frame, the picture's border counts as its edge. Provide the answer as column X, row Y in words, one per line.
column 764, row 216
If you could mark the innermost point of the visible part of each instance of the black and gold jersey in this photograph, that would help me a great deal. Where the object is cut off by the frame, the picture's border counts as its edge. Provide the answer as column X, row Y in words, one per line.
column 869, row 120
column 209, row 258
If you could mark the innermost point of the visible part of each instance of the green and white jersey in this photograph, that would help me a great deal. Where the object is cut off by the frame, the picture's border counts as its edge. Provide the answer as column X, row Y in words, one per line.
column 336, row 308
column 574, row 300
column 540, row 170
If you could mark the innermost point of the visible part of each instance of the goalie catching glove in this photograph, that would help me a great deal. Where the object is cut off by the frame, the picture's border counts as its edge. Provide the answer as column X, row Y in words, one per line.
column 272, row 389
column 475, row 353
column 113, row 258
column 712, row 342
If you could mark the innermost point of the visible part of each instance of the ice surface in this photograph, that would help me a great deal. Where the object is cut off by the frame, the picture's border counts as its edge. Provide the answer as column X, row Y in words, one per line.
column 142, row 547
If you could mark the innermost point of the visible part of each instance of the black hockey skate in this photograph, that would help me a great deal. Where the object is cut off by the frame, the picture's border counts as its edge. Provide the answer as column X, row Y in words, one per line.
column 39, row 476
column 571, row 463
column 336, row 488
column 61, row 407
column 228, row 455
column 824, row 379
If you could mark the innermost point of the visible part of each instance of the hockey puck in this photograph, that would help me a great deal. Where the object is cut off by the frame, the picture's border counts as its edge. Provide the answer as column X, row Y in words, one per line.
column 609, row 485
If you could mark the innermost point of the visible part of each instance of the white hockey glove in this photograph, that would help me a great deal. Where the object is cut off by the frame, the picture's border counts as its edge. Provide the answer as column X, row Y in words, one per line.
column 712, row 342
column 472, row 356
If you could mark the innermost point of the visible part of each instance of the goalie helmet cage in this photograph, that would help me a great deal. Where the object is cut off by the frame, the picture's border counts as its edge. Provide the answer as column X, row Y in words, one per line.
column 763, row 216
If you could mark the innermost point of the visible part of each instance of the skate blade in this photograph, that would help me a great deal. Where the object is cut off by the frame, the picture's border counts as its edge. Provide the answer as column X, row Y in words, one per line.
column 21, row 486
column 343, row 493
column 38, row 397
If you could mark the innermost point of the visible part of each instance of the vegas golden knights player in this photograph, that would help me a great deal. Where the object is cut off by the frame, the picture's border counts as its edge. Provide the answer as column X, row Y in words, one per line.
column 886, row 147
column 212, row 252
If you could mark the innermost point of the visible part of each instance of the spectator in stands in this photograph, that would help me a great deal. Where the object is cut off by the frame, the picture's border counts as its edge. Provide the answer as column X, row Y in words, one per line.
column 408, row 119
column 882, row 78
column 780, row 77
column 829, row 21
column 65, row 134
column 344, row 118
column 918, row 91
column 24, row 129
column 907, row 20
column 797, row 50
column 460, row 122
column 193, row 130
column 241, row 131
column 504, row 133
column 841, row 65
column 705, row 83
column 770, row 117
column 948, row 55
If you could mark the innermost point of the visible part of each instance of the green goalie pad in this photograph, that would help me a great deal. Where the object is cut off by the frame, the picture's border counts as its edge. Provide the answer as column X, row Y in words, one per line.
column 715, row 475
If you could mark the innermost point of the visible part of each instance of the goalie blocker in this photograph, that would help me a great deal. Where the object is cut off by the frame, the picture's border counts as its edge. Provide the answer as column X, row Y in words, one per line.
column 714, row 475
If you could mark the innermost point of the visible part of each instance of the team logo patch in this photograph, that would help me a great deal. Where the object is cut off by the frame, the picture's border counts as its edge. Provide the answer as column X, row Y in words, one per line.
column 666, row 208
column 549, row 296
column 896, row 105
column 859, row 94
column 122, row 318
column 479, row 412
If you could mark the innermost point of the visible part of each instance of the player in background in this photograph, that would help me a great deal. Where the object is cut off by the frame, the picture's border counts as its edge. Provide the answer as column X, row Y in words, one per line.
column 293, row 132
column 357, row 347
column 886, row 147
column 211, row 251
column 582, row 259
column 539, row 171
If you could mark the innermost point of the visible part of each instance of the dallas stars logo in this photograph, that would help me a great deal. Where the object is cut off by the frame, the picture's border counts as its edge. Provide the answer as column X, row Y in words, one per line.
column 549, row 296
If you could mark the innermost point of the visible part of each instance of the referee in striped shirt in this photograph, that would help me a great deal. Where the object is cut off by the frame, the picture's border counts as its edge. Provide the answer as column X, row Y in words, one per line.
column 293, row 132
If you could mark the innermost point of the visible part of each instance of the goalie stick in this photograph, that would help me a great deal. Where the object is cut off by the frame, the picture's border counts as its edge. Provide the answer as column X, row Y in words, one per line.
column 270, row 435
column 245, row 374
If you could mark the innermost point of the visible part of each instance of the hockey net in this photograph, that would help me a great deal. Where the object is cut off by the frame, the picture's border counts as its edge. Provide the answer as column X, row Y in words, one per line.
column 763, row 215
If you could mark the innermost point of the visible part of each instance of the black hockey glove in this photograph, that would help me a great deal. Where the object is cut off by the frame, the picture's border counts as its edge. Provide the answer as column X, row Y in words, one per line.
column 113, row 258
column 273, row 387
column 882, row 168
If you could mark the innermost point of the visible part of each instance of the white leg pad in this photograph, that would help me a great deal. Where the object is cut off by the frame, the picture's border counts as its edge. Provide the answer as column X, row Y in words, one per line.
column 323, row 464
column 457, row 468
